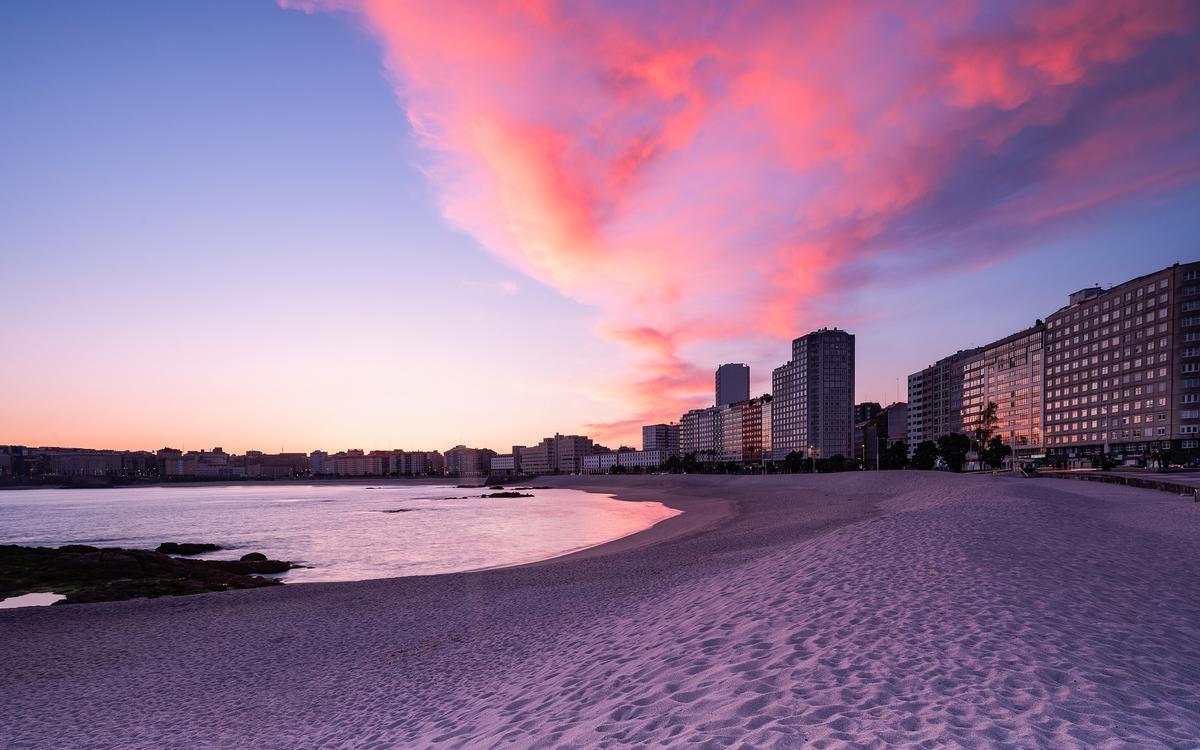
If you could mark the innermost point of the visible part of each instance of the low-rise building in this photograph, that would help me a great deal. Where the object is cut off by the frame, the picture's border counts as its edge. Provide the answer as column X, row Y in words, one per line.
column 604, row 463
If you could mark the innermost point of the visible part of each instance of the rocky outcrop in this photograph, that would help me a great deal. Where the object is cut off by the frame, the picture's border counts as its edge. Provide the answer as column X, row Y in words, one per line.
column 93, row 574
column 186, row 548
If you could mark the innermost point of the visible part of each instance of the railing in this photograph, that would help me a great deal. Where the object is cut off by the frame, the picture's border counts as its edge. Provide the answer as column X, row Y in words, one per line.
column 1162, row 485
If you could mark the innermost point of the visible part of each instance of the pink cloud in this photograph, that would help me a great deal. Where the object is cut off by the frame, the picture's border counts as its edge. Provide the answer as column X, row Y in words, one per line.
column 708, row 172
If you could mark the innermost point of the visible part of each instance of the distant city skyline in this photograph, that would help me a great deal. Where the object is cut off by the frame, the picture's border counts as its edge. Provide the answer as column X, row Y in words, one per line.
column 335, row 225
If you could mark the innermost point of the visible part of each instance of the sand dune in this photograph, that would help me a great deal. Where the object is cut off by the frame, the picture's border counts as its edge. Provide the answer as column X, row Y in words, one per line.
column 872, row 610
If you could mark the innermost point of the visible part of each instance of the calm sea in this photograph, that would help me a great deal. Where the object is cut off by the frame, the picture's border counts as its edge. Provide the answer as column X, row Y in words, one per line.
column 343, row 532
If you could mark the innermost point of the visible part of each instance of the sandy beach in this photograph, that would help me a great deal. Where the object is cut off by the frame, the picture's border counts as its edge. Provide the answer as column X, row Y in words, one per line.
column 855, row 610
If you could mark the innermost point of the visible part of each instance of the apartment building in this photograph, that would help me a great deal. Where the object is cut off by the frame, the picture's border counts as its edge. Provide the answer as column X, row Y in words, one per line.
column 461, row 461
column 935, row 399
column 560, row 454
column 813, row 406
column 603, row 463
column 661, row 437
column 732, row 384
column 1123, row 369
column 1008, row 373
column 700, row 432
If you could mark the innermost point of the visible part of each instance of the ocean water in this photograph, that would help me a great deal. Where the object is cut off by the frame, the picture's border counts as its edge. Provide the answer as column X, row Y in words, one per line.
column 341, row 532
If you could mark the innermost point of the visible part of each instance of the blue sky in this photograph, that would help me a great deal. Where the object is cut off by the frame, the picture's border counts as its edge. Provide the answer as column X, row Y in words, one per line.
column 220, row 229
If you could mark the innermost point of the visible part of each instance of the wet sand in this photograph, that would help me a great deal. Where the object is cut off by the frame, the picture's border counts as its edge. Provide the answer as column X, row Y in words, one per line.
column 871, row 609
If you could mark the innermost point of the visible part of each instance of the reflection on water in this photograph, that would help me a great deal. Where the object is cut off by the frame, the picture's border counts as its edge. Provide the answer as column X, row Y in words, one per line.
column 344, row 532
column 30, row 600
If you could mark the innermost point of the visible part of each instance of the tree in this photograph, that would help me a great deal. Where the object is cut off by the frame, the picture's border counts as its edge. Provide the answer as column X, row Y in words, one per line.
column 953, row 449
column 925, row 456
column 673, row 465
column 995, row 452
column 793, row 463
column 986, row 426
column 618, row 469
column 836, row 462
column 895, row 456
column 689, row 464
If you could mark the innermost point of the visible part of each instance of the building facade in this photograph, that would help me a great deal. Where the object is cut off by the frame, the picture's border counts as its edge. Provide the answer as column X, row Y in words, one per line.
column 461, row 461
column 603, row 463
column 813, row 406
column 732, row 384
column 507, row 464
column 865, row 411
column 560, row 454
column 700, row 433
column 745, row 430
column 935, row 399
column 886, row 428
column 661, row 437
column 1008, row 373
column 1123, row 369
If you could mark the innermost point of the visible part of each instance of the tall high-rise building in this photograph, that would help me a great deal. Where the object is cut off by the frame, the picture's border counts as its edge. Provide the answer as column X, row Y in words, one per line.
column 732, row 384
column 661, row 437
column 813, row 406
column 1123, row 369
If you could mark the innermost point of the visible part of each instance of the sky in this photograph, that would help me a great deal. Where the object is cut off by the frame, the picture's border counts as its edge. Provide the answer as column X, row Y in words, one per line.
column 331, row 224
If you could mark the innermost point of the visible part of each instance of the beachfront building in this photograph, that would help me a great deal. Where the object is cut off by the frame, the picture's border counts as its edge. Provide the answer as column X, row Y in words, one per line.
column 559, row 454
column 873, row 436
column 1008, row 373
column 507, row 464
column 952, row 395
column 813, row 405
column 461, row 461
column 416, row 463
column 1123, row 369
column 355, row 463
column 16, row 460
column 273, row 465
column 935, row 399
column 604, row 463
column 319, row 463
column 732, row 384
column 740, row 432
column 661, row 437
column 745, row 430
column 700, row 433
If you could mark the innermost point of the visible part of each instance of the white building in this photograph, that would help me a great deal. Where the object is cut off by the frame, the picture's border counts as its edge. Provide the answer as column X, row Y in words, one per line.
column 602, row 463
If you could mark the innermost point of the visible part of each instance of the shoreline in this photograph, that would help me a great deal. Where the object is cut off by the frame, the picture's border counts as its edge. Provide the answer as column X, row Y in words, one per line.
column 904, row 608
column 695, row 516
column 692, row 516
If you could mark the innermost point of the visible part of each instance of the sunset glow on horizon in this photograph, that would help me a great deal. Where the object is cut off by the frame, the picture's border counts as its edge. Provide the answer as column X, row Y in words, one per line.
column 331, row 224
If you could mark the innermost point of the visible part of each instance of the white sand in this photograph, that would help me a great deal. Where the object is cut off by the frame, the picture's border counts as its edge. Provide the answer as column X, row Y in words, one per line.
column 873, row 610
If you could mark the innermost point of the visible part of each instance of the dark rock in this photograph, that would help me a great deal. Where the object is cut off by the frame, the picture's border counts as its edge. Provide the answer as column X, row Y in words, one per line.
column 186, row 548
column 254, row 557
column 90, row 574
column 509, row 494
